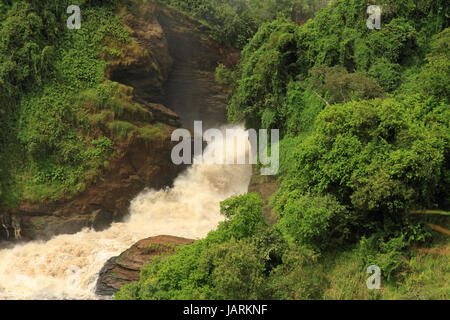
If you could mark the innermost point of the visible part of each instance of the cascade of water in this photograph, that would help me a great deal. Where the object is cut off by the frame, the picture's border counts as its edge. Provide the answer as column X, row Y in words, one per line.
column 67, row 266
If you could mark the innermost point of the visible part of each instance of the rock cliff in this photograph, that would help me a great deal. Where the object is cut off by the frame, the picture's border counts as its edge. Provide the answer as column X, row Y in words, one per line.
column 170, row 69
column 126, row 267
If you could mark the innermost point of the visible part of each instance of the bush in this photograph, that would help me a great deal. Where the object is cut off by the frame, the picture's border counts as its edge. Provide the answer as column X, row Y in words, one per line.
column 244, row 213
column 223, row 75
column 316, row 221
column 238, row 270
column 339, row 86
column 121, row 129
column 435, row 75
column 299, row 277
column 387, row 255
column 387, row 74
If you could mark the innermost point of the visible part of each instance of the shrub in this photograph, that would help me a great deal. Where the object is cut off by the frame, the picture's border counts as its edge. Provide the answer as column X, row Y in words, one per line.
column 223, row 75
column 151, row 133
column 299, row 277
column 238, row 272
column 387, row 74
column 244, row 213
column 387, row 255
column 316, row 221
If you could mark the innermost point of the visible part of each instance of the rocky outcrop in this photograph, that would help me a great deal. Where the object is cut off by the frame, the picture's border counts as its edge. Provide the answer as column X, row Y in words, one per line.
column 126, row 267
column 148, row 61
column 137, row 165
column 190, row 89
column 10, row 225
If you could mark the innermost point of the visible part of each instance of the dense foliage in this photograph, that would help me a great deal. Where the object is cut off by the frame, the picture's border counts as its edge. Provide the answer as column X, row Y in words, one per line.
column 59, row 116
column 364, row 115
column 235, row 22
column 240, row 260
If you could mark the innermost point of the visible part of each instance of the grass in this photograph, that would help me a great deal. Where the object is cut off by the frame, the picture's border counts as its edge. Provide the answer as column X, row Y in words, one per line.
column 121, row 129
column 101, row 119
column 152, row 132
column 424, row 278
column 347, row 279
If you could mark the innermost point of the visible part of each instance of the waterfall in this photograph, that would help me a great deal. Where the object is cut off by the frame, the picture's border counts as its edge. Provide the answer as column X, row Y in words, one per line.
column 67, row 266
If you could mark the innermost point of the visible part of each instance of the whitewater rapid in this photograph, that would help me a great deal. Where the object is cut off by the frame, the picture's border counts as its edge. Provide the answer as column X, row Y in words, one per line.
column 67, row 266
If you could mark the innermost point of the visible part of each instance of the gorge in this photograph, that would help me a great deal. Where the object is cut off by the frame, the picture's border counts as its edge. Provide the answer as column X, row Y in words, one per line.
column 68, row 247
column 103, row 194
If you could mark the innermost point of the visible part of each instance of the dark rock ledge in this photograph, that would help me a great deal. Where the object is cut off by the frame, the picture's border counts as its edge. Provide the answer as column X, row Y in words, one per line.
column 126, row 268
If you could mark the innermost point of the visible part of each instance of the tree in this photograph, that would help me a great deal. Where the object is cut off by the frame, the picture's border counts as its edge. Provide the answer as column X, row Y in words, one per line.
column 341, row 86
column 318, row 222
column 434, row 79
column 376, row 157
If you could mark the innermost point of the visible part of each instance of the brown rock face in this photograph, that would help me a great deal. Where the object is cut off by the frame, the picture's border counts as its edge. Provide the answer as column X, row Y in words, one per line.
column 190, row 89
column 126, row 267
column 265, row 186
column 137, row 165
column 147, row 66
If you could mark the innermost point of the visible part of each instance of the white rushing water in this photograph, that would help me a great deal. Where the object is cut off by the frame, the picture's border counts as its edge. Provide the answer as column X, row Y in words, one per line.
column 67, row 266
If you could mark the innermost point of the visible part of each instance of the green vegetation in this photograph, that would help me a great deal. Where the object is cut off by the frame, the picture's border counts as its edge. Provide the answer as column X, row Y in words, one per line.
column 235, row 22
column 60, row 118
column 364, row 117
column 228, row 263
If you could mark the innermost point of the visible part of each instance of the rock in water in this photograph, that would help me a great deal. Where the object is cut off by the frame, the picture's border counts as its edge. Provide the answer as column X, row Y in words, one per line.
column 126, row 268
